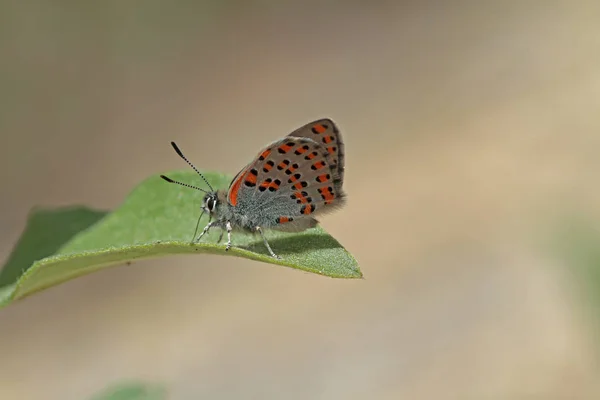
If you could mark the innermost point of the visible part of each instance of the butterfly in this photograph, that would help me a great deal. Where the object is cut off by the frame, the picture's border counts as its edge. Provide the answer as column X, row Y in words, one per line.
column 288, row 184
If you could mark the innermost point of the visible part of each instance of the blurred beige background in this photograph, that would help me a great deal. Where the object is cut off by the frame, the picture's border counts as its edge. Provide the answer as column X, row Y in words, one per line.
column 471, row 129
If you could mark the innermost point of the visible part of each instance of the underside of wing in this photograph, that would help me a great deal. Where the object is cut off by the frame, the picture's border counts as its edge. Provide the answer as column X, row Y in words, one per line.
column 290, row 181
column 326, row 133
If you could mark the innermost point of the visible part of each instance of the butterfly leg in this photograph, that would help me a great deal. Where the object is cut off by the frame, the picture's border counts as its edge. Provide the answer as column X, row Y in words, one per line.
column 221, row 236
column 206, row 229
column 267, row 243
column 228, row 227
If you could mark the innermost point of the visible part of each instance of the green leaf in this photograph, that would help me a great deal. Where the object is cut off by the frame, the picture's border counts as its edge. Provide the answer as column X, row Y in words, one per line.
column 156, row 219
column 132, row 391
column 47, row 231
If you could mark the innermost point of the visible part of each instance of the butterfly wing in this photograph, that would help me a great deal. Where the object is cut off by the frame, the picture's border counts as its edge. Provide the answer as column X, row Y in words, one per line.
column 290, row 181
column 326, row 133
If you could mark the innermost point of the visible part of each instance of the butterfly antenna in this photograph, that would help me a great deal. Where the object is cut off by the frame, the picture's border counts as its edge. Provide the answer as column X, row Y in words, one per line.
column 166, row 178
column 191, row 165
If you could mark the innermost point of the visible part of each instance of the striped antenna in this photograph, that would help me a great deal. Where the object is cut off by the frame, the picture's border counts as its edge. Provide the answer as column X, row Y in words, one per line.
column 191, row 165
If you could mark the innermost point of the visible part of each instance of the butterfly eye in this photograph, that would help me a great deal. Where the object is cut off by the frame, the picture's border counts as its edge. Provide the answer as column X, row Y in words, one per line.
column 211, row 203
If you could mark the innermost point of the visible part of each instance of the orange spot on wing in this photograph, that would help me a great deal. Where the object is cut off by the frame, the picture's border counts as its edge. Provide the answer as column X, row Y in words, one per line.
column 327, row 195
column 318, row 165
column 328, row 139
column 283, row 220
column 269, row 184
column 307, row 209
column 284, row 148
column 298, row 186
column 251, row 178
column 319, row 128
column 322, row 178
column 331, row 149
column 300, row 196
column 265, row 154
